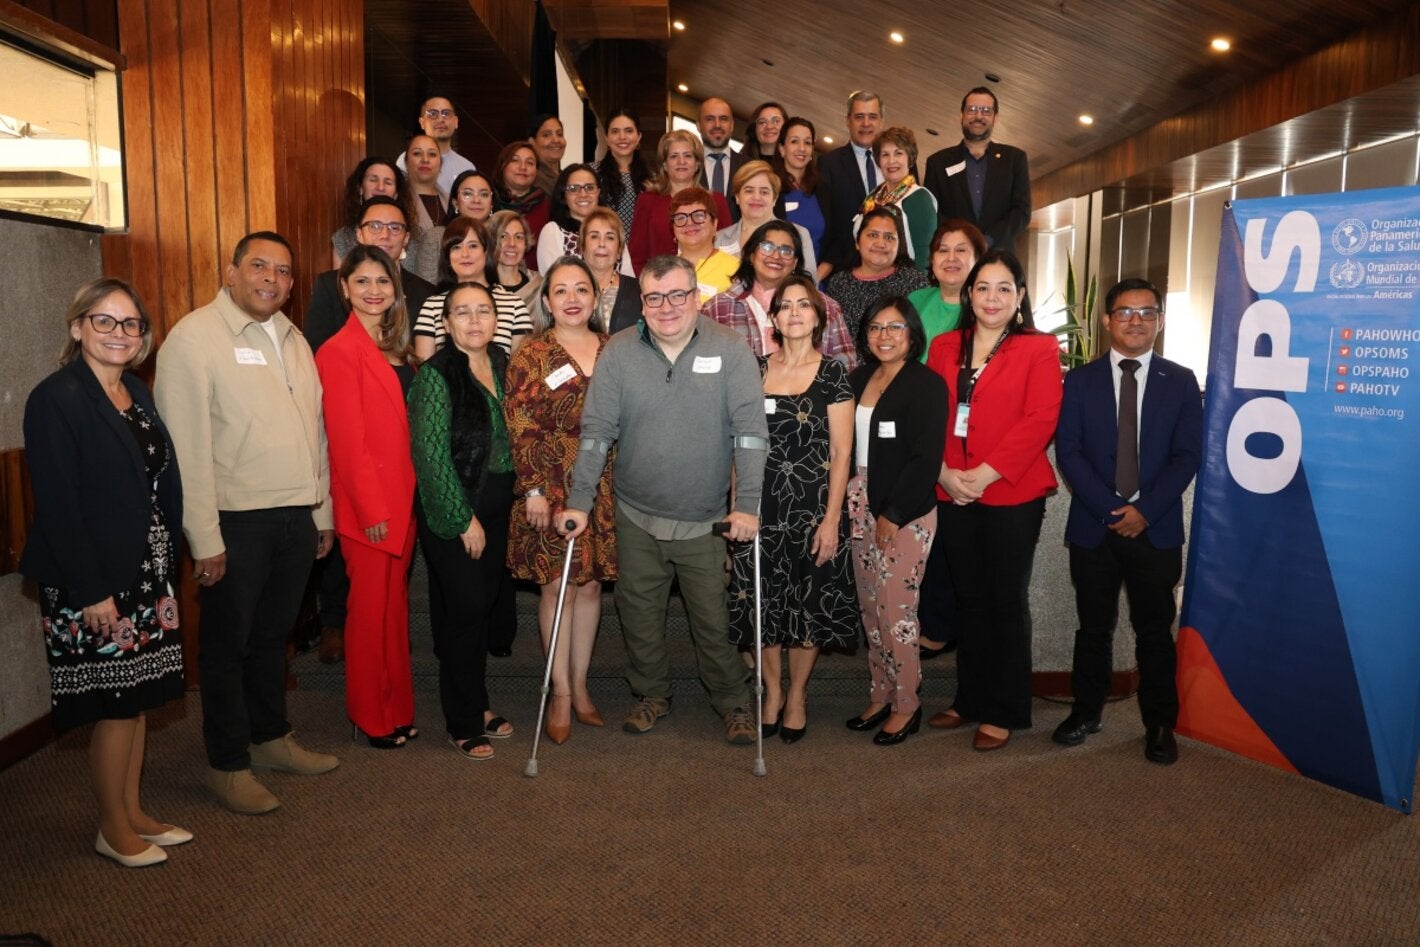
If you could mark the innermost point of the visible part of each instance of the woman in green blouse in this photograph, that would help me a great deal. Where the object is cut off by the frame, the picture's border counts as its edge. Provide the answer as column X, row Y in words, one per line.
column 956, row 246
column 464, row 470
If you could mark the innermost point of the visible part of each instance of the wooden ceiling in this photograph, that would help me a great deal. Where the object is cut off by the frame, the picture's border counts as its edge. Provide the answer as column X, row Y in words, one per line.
column 1128, row 63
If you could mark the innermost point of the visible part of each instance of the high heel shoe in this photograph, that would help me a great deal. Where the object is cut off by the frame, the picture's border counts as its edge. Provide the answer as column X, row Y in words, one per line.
column 886, row 737
column 791, row 734
column 588, row 718
column 152, row 855
column 769, row 729
column 559, row 732
column 868, row 723
column 390, row 741
column 409, row 731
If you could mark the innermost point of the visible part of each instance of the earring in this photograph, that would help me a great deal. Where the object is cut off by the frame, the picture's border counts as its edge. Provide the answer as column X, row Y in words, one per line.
column 1019, row 319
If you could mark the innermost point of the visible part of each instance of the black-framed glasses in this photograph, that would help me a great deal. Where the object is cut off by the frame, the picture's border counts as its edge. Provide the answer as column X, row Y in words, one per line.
column 438, row 113
column 769, row 248
column 378, row 227
column 694, row 217
column 1127, row 314
column 104, row 323
column 581, row 188
column 675, row 297
column 887, row 328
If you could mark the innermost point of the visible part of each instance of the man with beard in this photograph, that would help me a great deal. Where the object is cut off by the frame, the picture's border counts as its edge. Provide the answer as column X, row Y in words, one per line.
column 440, row 121
column 980, row 180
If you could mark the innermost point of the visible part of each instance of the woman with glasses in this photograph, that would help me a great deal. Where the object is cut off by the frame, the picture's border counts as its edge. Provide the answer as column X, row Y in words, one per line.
column 899, row 427
column 574, row 197
column 682, row 165
column 464, row 259
column 107, row 506
column 882, row 269
column 895, row 150
column 1003, row 378
column 622, row 171
column 372, row 177
column 471, row 197
column 511, row 238
column 775, row 254
column 756, row 190
column 798, row 173
column 808, row 593
column 693, row 220
column 766, row 123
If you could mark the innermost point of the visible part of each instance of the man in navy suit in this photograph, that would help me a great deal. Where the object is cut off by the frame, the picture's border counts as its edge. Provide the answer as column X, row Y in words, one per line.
column 980, row 180
column 847, row 175
column 1129, row 442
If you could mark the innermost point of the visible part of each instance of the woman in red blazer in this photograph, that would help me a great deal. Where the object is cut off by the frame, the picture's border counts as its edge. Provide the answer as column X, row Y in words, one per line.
column 1003, row 379
column 365, row 370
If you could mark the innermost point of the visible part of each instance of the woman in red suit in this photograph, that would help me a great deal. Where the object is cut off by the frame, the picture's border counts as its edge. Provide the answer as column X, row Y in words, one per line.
column 1003, row 382
column 366, row 369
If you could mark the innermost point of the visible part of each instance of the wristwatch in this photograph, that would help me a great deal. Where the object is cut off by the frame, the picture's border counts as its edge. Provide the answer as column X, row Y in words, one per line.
column 534, row 492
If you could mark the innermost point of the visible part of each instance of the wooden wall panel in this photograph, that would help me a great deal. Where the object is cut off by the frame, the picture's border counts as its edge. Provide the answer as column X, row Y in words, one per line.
column 16, row 508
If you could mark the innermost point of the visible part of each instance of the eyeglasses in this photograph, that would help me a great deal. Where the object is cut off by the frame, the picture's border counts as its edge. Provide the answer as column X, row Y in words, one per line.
column 769, row 248
column 581, row 188
column 694, row 217
column 773, row 121
column 675, row 297
column 1127, row 314
column 378, row 227
column 980, row 110
column 887, row 328
column 438, row 113
column 103, row 322
column 469, row 194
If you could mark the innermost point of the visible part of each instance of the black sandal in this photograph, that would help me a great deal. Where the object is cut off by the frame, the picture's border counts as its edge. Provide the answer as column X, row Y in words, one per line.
column 468, row 745
column 493, row 728
column 409, row 731
column 390, row 741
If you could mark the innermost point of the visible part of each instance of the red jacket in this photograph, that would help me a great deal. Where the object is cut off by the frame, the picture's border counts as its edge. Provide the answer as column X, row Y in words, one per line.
column 1013, row 415
column 367, row 425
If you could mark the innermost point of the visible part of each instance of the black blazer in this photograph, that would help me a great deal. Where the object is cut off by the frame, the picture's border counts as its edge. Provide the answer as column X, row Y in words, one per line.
column 841, row 194
column 327, row 313
column 903, row 468
column 90, row 532
column 1005, row 203
column 626, row 310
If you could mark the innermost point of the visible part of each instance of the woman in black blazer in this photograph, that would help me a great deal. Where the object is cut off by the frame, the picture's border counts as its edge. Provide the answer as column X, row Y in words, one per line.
column 900, row 429
column 102, row 548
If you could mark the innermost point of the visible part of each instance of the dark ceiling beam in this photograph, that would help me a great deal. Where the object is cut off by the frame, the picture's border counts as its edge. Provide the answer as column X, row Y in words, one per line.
column 582, row 20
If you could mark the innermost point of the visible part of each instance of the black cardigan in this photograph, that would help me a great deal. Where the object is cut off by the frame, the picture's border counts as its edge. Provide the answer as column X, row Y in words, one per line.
column 903, row 469
column 471, row 422
column 90, row 532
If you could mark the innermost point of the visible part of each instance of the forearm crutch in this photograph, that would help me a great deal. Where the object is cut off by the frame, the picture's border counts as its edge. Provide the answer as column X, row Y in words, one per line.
column 722, row 529
column 531, row 770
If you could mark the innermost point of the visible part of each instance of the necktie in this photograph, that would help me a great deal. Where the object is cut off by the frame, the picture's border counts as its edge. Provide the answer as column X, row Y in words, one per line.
column 717, row 178
column 870, row 168
column 1126, row 462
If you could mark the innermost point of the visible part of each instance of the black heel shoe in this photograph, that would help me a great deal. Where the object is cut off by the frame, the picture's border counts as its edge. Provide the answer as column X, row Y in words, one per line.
column 886, row 737
column 390, row 741
column 793, row 734
column 868, row 723
column 409, row 731
column 769, row 729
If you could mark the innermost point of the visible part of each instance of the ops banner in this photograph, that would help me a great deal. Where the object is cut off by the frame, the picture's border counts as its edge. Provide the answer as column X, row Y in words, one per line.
column 1299, row 643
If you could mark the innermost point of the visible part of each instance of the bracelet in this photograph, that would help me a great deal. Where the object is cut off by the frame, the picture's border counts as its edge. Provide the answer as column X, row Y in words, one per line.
column 534, row 492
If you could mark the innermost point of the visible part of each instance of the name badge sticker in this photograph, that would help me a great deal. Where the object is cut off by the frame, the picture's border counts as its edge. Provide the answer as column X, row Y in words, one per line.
column 705, row 364
column 957, row 168
column 769, row 406
column 564, row 374
column 706, row 290
column 887, row 429
column 963, row 412
column 790, row 206
column 250, row 357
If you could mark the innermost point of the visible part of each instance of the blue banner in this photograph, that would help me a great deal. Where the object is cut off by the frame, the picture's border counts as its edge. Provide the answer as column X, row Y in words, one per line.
column 1299, row 642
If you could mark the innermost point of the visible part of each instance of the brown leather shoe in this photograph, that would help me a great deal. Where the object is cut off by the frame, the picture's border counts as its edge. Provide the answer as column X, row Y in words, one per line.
column 559, row 731
column 984, row 741
column 946, row 720
column 332, row 645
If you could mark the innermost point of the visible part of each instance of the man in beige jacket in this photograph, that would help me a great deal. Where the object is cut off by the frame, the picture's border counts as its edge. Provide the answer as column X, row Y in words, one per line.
column 237, row 387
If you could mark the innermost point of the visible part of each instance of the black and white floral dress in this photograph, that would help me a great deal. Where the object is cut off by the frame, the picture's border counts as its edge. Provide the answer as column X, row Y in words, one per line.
column 102, row 675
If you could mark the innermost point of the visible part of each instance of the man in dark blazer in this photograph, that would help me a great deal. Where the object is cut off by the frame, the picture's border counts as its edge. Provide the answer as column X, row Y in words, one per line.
column 980, row 180
column 716, row 124
column 846, row 176
column 1129, row 442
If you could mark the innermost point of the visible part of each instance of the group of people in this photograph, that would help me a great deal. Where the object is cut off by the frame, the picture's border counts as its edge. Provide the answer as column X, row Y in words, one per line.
column 532, row 375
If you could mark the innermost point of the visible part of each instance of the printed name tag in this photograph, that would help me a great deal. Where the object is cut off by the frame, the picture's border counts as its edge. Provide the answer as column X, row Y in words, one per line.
column 887, row 429
column 963, row 412
column 957, row 168
column 250, row 357
column 769, row 407
column 790, row 206
column 705, row 364
column 563, row 374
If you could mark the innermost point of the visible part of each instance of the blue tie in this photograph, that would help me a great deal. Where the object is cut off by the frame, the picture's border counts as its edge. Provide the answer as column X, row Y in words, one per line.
column 872, row 172
column 717, row 178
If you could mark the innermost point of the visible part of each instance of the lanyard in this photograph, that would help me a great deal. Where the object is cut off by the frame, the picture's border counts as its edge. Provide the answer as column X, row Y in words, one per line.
column 966, row 378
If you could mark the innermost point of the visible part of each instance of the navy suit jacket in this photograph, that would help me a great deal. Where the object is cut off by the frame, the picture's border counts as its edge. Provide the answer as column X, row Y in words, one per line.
column 1005, row 202
column 840, row 193
column 1170, row 449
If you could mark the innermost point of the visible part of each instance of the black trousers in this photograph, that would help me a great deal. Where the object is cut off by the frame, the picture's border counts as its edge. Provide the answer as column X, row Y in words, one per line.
column 937, row 606
column 334, row 588
column 246, row 619
column 464, row 597
column 991, row 551
column 1149, row 576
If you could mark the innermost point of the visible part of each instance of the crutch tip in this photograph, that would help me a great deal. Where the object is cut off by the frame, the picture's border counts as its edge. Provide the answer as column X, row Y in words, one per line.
column 759, row 769
column 531, row 770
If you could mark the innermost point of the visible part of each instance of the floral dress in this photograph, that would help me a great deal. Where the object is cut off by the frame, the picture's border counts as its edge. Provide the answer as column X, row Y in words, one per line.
column 804, row 604
column 98, row 675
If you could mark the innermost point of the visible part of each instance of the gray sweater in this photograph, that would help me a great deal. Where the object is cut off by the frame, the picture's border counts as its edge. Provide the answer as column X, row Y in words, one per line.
column 678, row 427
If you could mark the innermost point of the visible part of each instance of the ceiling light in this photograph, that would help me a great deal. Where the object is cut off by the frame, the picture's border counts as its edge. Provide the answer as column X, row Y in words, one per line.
column 828, row 139
column 683, row 87
column 678, row 24
column 1087, row 119
column 896, row 37
column 1220, row 44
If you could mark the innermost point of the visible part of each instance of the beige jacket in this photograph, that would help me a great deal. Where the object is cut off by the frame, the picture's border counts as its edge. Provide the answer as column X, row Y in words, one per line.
column 246, row 424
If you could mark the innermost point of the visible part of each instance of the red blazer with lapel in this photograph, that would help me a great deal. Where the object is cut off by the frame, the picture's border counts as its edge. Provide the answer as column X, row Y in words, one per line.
column 1013, row 415
column 367, row 425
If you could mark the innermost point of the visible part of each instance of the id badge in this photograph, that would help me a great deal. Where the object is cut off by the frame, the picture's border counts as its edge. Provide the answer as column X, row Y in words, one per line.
column 963, row 412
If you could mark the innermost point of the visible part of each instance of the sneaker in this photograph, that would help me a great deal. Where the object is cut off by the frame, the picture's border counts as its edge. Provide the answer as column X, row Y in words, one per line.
column 288, row 756
column 739, row 726
column 645, row 714
column 240, row 792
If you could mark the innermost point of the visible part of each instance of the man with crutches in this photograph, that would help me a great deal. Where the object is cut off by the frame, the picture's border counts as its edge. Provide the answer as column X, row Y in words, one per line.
column 680, row 397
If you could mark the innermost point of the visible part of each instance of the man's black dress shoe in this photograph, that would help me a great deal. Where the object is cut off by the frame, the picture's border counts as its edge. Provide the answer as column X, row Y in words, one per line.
column 885, row 737
column 1160, row 746
column 1074, row 728
column 868, row 723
